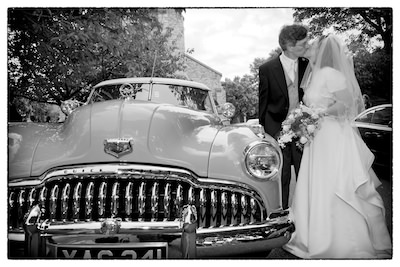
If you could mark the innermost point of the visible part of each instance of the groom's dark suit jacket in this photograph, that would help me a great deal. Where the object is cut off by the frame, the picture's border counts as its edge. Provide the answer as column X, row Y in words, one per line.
column 273, row 94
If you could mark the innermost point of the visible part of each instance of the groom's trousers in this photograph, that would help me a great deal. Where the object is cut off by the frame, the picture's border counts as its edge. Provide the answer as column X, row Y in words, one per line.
column 291, row 156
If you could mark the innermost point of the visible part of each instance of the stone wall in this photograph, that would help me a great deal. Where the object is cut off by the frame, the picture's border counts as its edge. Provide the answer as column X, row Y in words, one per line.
column 199, row 72
column 172, row 18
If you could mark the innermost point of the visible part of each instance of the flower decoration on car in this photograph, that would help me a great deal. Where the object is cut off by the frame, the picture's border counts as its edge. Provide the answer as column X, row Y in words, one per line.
column 300, row 126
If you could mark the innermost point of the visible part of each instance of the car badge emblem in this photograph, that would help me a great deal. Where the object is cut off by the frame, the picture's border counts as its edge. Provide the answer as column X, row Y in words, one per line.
column 118, row 147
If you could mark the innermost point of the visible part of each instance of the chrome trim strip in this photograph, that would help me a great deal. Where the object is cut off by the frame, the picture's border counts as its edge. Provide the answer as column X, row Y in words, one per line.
column 76, row 201
column 245, row 206
column 53, row 202
column 21, row 204
column 32, row 196
column 64, row 201
column 224, row 208
column 245, row 228
column 167, row 202
column 11, row 200
column 89, row 196
column 171, row 227
column 202, row 208
column 191, row 196
column 214, row 205
column 178, row 201
column 235, row 204
column 42, row 196
column 235, row 209
column 102, row 199
column 253, row 209
column 21, row 198
column 237, row 240
column 142, row 200
column 129, row 200
column 115, row 199
column 94, row 227
column 368, row 125
column 154, row 201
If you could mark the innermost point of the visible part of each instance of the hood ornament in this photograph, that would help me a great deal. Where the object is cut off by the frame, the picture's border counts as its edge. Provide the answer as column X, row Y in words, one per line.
column 118, row 147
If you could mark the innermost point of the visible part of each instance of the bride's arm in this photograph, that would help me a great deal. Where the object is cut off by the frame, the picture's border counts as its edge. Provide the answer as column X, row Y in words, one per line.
column 338, row 93
column 340, row 104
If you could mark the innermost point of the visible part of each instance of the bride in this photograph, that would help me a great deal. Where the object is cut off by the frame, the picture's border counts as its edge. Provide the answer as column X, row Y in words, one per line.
column 336, row 210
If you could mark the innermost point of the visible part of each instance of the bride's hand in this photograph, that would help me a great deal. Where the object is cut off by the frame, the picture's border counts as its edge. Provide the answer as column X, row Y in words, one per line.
column 320, row 111
column 317, row 110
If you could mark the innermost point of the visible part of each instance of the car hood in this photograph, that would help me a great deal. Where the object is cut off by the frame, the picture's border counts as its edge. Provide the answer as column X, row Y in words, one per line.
column 161, row 134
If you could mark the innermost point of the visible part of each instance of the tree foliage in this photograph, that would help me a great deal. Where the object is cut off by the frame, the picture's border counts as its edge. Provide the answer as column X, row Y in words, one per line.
column 369, row 23
column 56, row 54
column 365, row 28
column 243, row 94
column 374, row 75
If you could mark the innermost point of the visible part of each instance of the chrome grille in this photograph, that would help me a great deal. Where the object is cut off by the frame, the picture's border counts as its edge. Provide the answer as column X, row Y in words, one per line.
column 131, row 194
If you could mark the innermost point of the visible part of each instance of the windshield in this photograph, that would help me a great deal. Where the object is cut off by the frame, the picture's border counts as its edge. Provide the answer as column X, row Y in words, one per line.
column 190, row 97
column 137, row 91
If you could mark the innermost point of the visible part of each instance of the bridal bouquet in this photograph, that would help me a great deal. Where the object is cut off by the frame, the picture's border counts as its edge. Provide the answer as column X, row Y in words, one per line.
column 300, row 126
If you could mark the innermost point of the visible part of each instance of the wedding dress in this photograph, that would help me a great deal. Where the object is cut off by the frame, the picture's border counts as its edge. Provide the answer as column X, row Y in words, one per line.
column 336, row 209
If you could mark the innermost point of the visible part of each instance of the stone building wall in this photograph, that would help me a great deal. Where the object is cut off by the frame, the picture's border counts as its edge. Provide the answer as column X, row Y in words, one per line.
column 195, row 70
column 199, row 72
column 172, row 18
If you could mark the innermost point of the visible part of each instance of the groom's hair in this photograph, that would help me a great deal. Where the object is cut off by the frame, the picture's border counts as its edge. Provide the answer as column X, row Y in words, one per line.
column 290, row 34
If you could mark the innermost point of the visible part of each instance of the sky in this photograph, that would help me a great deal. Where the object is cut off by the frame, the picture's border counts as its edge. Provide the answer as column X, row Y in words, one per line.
column 229, row 39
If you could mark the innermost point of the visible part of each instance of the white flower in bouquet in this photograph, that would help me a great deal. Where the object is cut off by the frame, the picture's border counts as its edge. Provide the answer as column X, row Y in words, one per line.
column 285, row 127
column 303, row 140
column 285, row 138
column 298, row 112
column 311, row 128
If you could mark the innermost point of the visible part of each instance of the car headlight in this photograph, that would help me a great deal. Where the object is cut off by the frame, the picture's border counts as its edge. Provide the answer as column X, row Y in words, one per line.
column 263, row 160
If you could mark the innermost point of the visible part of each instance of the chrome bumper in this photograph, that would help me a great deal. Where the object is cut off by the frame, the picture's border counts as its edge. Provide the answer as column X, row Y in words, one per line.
column 183, row 238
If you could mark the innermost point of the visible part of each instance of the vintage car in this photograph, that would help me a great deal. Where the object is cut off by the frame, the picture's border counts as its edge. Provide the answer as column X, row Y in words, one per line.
column 144, row 168
column 375, row 126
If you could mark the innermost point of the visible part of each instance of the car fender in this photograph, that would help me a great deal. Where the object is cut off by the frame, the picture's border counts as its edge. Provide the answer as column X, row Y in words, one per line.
column 227, row 161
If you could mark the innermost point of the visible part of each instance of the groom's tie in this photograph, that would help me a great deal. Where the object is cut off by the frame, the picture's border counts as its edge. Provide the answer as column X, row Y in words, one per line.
column 293, row 90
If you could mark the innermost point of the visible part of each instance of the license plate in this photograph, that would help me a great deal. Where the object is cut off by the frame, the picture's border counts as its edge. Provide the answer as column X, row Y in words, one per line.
column 150, row 250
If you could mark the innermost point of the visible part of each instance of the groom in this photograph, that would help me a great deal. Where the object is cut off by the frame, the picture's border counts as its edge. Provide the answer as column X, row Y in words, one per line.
column 280, row 92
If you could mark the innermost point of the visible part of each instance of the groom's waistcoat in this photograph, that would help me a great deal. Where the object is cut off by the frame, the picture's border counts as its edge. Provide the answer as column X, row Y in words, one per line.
column 293, row 90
